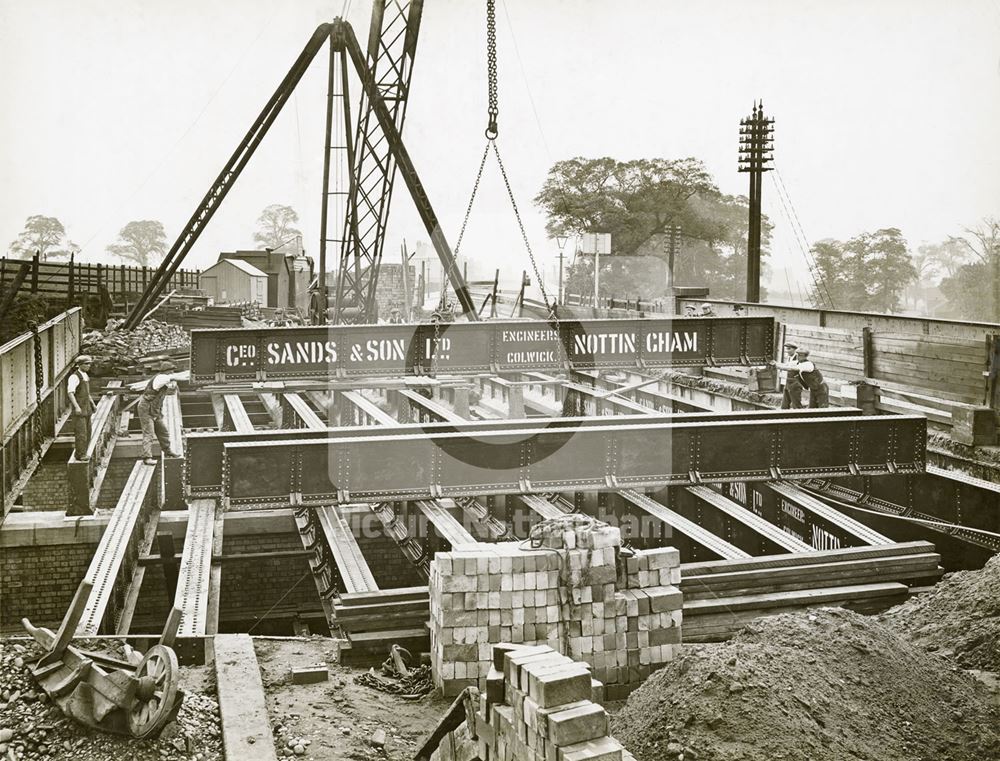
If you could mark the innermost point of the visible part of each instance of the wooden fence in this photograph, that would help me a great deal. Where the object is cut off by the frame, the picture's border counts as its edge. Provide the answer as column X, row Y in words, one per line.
column 70, row 278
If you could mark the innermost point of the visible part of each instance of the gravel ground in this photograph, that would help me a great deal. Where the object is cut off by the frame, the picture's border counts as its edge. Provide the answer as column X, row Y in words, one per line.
column 821, row 684
column 33, row 728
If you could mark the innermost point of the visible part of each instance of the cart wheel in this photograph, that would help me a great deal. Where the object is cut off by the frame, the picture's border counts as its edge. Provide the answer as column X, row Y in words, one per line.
column 156, row 693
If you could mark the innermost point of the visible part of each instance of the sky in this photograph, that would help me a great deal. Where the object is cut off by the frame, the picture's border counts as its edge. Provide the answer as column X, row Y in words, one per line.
column 886, row 113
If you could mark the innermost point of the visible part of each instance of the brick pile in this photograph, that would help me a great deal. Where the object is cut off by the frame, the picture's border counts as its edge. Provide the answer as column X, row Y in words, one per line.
column 538, row 705
column 570, row 588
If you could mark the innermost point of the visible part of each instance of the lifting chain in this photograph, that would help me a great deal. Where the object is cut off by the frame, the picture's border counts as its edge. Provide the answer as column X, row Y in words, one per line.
column 491, row 64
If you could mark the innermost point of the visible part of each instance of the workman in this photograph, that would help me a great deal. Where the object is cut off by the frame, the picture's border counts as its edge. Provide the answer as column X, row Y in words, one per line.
column 802, row 370
column 791, row 398
column 150, row 409
column 706, row 310
column 78, row 389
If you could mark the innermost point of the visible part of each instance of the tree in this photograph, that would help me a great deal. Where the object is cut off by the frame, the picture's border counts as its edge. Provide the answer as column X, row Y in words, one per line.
column 45, row 235
column 637, row 202
column 973, row 292
column 142, row 241
column 275, row 226
column 869, row 272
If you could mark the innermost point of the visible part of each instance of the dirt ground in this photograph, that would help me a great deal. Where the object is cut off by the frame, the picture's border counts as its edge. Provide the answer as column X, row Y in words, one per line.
column 820, row 684
column 959, row 618
column 338, row 718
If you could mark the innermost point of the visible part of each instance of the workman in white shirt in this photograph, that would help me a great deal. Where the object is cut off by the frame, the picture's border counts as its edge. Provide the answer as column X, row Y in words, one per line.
column 150, row 409
column 804, row 373
column 78, row 390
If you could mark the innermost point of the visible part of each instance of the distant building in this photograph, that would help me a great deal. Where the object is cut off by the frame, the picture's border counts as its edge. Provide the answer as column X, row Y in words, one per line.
column 288, row 275
column 231, row 281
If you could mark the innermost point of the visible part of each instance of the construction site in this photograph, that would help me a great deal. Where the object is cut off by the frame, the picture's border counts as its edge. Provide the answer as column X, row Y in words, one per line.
column 330, row 506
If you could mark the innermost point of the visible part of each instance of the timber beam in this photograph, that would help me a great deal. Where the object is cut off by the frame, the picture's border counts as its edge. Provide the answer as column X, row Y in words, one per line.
column 343, row 351
column 528, row 457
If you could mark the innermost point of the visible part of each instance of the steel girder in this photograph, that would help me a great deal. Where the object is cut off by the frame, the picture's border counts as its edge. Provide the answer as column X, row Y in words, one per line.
column 535, row 458
column 488, row 347
column 204, row 450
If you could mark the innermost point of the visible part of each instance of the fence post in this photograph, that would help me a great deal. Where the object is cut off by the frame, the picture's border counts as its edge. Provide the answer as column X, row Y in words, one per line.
column 868, row 352
column 72, row 278
column 124, row 289
column 34, row 272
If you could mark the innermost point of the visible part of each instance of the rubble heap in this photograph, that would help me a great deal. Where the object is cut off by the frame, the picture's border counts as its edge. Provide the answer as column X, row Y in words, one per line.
column 959, row 617
column 32, row 728
column 821, row 684
column 120, row 351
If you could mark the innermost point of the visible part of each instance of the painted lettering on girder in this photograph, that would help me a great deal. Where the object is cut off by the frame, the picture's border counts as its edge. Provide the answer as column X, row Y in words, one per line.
column 662, row 341
column 307, row 352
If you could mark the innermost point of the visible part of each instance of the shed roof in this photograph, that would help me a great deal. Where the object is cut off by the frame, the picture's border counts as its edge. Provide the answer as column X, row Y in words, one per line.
column 240, row 264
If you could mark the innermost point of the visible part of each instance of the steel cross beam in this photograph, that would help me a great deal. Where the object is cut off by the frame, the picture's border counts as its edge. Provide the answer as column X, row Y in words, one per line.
column 204, row 450
column 260, row 354
column 482, row 459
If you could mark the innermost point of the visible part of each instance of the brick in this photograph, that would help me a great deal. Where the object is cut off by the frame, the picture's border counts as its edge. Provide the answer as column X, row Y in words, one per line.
column 602, row 749
column 664, row 599
column 577, row 725
column 565, row 685
column 310, row 675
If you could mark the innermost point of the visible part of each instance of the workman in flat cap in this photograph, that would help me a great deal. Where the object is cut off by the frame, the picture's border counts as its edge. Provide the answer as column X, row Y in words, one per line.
column 803, row 374
column 78, row 389
column 150, row 409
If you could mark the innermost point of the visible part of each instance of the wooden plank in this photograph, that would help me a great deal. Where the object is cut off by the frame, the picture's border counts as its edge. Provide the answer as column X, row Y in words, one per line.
column 751, row 520
column 690, row 529
column 355, row 573
column 843, row 554
column 138, row 575
column 803, row 598
column 399, row 593
column 196, row 568
column 246, row 730
column 907, row 567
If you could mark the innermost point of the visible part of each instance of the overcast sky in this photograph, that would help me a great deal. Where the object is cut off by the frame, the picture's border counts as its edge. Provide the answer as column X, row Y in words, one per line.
column 887, row 113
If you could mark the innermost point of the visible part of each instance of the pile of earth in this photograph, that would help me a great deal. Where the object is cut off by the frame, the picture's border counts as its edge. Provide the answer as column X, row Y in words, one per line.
column 821, row 684
column 33, row 728
column 959, row 618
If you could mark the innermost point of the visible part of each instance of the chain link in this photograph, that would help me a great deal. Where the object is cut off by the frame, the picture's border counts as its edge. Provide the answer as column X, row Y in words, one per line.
column 491, row 64
column 517, row 214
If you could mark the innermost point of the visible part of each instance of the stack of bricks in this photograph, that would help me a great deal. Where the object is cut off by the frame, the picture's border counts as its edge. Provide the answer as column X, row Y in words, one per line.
column 538, row 705
column 572, row 589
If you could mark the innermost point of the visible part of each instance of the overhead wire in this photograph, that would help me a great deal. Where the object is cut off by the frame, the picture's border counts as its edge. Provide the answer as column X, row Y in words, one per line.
column 801, row 238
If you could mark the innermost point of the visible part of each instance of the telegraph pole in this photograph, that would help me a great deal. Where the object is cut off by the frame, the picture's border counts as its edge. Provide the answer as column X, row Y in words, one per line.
column 756, row 135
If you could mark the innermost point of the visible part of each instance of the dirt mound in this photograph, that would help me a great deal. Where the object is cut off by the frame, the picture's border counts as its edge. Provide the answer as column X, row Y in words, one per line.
column 822, row 684
column 960, row 617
